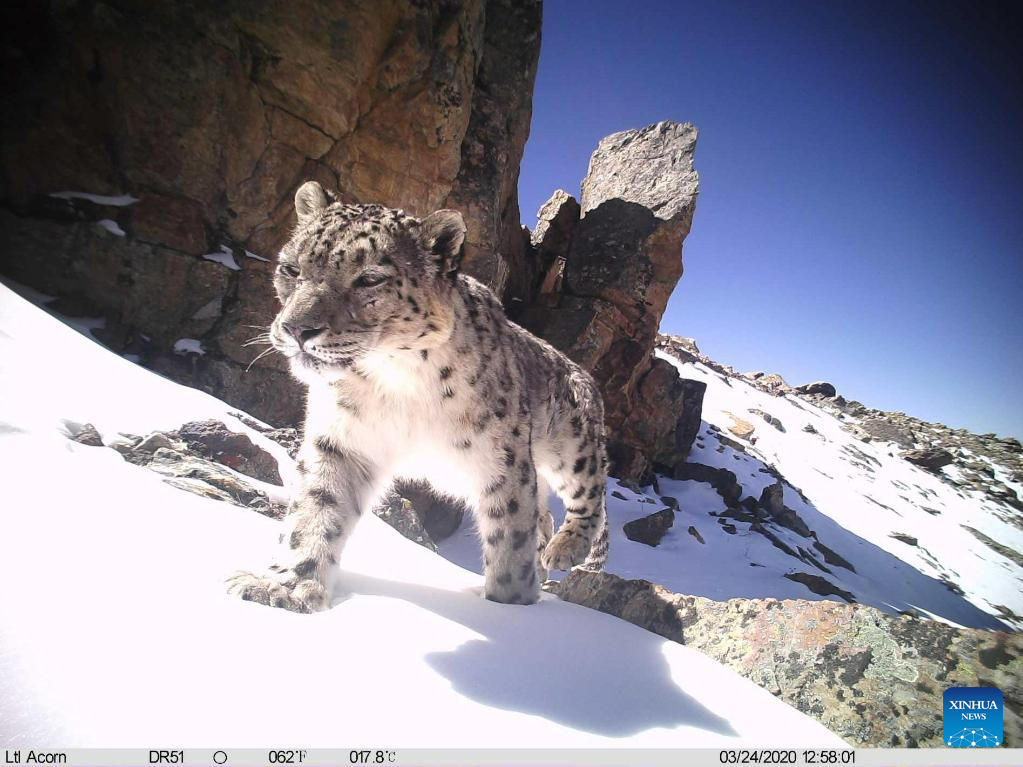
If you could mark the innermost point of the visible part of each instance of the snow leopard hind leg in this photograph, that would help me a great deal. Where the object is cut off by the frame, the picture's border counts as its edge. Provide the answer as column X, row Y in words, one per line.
column 575, row 464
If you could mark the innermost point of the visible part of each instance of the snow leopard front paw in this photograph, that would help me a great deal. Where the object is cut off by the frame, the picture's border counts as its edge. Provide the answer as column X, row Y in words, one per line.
column 565, row 550
column 280, row 588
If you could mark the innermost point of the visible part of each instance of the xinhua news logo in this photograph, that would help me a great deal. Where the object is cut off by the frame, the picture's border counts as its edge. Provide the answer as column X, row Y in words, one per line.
column 972, row 717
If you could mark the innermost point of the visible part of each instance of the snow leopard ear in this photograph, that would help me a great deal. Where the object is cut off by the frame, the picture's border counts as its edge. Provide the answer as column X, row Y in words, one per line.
column 442, row 234
column 310, row 200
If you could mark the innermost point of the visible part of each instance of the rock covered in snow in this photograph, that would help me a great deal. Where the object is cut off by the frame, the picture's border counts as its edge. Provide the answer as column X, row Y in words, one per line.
column 86, row 434
column 874, row 679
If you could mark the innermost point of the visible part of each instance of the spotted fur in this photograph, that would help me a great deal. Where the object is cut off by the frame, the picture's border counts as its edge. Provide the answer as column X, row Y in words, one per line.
column 414, row 372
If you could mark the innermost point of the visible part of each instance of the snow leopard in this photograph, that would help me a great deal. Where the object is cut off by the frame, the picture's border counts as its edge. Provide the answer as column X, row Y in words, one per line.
column 414, row 372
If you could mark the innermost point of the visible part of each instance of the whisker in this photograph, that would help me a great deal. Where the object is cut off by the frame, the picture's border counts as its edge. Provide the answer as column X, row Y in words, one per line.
column 262, row 338
column 259, row 357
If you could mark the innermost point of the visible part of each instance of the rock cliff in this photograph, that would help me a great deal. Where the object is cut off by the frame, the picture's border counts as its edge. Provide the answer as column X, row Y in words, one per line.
column 190, row 126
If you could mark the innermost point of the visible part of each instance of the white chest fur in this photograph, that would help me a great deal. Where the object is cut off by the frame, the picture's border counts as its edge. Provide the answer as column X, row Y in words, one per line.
column 394, row 416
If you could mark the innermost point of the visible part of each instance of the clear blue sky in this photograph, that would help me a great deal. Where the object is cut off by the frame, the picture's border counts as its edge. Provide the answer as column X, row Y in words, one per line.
column 861, row 213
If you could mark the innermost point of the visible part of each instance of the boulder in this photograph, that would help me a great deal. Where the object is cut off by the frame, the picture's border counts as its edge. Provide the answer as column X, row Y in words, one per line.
column 681, row 348
column 931, row 458
column 740, row 427
column 397, row 511
column 820, row 585
column 195, row 123
column 822, row 388
column 873, row 679
column 772, row 499
column 439, row 516
column 722, row 480
column 651, row 528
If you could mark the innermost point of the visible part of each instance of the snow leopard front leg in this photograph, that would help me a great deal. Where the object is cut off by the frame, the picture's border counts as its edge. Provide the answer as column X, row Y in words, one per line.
column 507, row 517
column 335, row 486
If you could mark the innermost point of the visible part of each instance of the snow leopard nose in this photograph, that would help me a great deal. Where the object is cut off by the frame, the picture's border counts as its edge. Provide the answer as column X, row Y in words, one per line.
column 302, row 333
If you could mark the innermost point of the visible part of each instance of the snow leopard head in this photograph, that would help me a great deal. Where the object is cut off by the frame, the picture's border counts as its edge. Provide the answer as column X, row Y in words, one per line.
column 360, row 279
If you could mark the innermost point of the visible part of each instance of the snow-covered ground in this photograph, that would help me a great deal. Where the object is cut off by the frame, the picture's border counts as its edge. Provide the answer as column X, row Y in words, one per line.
column 857, row 497
column 115, row 629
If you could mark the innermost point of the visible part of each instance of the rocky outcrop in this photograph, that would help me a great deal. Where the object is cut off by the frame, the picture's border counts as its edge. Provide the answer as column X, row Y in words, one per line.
column 871, row 678
column 984, row 463
column 686, row 350
column 621, row 261
column 203, row 458
column 196, row 122
column 208, row 459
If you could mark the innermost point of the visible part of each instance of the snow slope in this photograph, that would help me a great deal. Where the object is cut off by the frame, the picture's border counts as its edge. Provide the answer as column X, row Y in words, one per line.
column 115, row 629
column 855, row 496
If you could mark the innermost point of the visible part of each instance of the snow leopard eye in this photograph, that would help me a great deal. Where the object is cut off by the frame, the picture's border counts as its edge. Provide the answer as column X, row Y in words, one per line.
column 288, row 270
column 369, row 280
